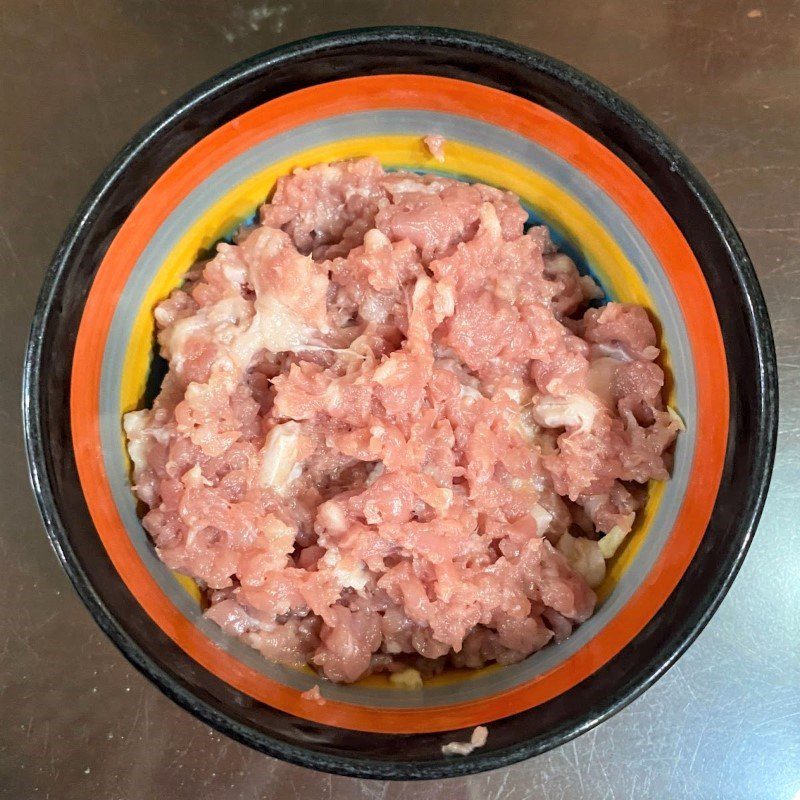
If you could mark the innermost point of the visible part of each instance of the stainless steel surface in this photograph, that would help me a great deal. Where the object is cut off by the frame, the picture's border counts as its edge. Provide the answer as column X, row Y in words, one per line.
column 76, row 81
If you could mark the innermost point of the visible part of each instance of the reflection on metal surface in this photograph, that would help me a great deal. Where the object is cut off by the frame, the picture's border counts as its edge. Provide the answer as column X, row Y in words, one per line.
column 78, row 720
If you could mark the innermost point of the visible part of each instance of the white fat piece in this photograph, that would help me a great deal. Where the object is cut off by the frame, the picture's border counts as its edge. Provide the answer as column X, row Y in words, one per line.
column 517, row 394
column 585, row 557
column 444, row 301
column 392, row 370
column 577, row 411
column 421, row 288
column 227, row 315
column 522, row 419
column 409, row 679
column 559, row 264
column 175, row 337
column 527, row 426
column 276, row 327
column 279, row 464
column 332, row 520
column 469, row 393
column 676, row 418
column 375, row 241
column 193, row 478
column 543, row 518
column 351, row 574
column 135, row 425
column 616, row 352
column 280, row 329
column 612, row 541
column 414, row 185
column 375, row 473
column 591, row 290
column 227, row 322
column 489, row 221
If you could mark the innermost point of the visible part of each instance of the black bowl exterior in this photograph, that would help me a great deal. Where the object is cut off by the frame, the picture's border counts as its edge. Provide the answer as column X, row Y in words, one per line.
column 594, row 108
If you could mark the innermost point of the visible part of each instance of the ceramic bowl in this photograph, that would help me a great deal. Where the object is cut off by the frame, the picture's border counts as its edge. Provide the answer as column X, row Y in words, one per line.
column 618, row 197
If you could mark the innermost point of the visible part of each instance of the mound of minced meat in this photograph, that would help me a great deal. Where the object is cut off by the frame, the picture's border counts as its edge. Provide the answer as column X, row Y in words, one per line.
column 393, row 434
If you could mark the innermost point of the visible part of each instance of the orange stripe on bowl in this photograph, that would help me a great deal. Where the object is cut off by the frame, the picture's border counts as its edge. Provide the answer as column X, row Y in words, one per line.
column 515, row 114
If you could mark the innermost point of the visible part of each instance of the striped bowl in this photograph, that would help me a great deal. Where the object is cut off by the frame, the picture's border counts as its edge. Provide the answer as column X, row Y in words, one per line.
column 619, row 199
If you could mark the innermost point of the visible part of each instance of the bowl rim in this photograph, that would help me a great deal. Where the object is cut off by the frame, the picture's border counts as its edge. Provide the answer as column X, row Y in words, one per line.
column 742, row 269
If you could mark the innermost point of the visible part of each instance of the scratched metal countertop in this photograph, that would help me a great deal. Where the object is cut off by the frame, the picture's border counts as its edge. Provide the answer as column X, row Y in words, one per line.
column 77, row 79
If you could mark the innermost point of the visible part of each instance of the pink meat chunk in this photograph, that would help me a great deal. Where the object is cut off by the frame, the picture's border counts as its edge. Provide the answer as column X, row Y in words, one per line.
column 393, row 434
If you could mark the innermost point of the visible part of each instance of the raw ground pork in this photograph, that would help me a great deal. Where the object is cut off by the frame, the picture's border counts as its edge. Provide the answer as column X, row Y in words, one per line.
column 393, row 435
